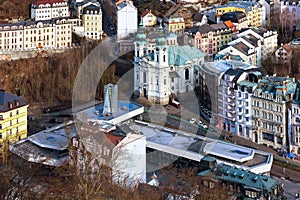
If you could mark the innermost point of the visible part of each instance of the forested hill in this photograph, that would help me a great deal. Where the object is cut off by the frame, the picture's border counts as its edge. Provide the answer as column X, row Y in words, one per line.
column 14, row 9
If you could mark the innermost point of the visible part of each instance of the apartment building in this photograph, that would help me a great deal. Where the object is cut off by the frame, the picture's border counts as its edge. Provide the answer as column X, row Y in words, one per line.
column 243, row 111
column 294, row 122
column 13, row 118
column 175, row 24
column 214, row 94
column 270, row 103
column 209, row 38
column 238, row 18
column 49, row 9
column 253, row 10
column 127, row 18
column 92, row 21
column 247, row 50
column 88, row 19
column 30, row 35
column 268, row 39
column 252, row 45
column 234, row 107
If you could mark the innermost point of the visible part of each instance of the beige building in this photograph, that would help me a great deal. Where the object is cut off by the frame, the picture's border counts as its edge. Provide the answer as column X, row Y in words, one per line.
column 32, row 34
column 175, row 24
column 90, row 16
column 270, row 111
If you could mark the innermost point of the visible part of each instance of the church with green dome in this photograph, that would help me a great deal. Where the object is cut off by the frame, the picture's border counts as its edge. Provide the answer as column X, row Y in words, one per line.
column 162, row 67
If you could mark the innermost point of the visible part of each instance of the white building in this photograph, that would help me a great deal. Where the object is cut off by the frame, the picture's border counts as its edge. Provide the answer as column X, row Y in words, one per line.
column 243, row 109
column 36, row 34
column 162, row 67
column 268, row 39
column 127, row 18
column 49, row 9
column 236, row 86
column 294, row 122
column 252, row 45
column 284, row 54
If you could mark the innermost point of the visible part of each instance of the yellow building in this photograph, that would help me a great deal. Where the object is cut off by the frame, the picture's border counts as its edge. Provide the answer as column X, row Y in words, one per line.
column 253, row 11
column 175, row 24
column 13, row 118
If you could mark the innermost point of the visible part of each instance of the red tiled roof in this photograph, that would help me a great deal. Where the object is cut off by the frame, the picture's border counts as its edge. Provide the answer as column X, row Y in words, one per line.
column 145, row 13
column 229, row 24
column 287, row 47
column 40, row 2
column 114, row 139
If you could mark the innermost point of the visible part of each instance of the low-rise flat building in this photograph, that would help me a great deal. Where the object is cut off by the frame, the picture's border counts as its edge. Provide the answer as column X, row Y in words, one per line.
column 49, row 9
column 13, row 119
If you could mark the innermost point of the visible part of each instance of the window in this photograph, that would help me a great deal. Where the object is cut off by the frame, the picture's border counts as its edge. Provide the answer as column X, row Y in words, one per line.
column 144, row 77
column 10, row 114
column 187, row 75
column 165, row 81
column 1, row 117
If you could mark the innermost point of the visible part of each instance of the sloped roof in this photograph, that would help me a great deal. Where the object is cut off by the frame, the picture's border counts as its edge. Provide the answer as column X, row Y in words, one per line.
column 179, row 55
column 6, row 97
column 251, row 39
column 43, row 2
column 240, row 46
column 287, row 47
column 145, row 13
column 198, row 17
column 233, row 16
column 229, row 24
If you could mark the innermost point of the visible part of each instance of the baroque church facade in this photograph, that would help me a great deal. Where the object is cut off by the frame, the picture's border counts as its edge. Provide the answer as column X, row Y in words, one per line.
column 162, row 67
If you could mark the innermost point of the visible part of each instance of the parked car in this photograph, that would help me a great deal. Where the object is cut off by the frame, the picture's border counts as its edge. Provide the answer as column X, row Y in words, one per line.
column 175, row 104
column 192, row 120
column 296, row 41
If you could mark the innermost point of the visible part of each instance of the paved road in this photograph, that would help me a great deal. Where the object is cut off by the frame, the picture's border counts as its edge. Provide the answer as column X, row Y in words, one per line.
column 290, row 188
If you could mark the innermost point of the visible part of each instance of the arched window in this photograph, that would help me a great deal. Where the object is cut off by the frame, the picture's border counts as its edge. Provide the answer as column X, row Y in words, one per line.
column 187, row 74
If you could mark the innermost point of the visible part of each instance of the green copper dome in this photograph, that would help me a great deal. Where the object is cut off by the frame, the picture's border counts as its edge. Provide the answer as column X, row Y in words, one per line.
column 161, row 41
